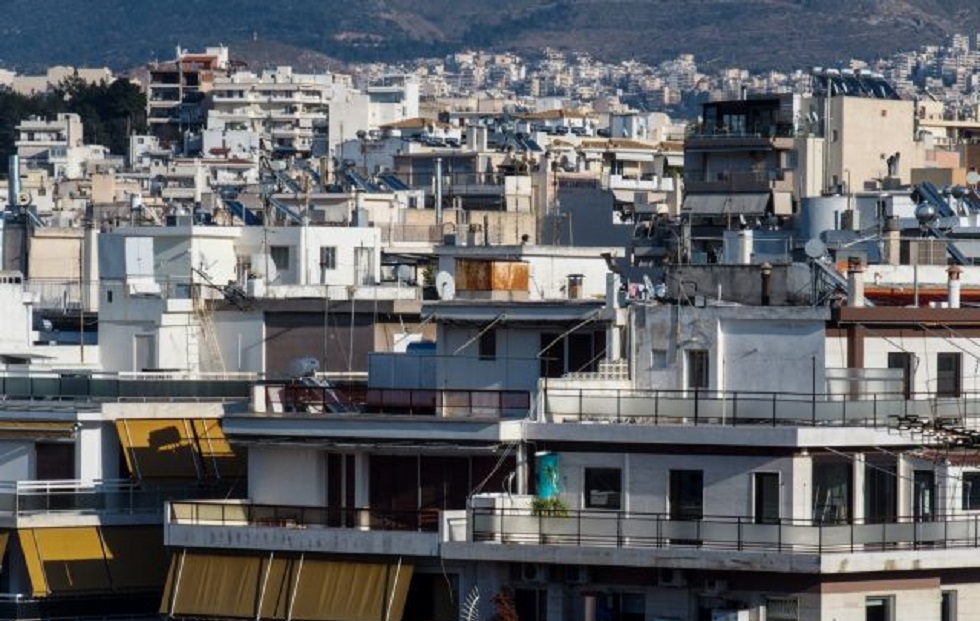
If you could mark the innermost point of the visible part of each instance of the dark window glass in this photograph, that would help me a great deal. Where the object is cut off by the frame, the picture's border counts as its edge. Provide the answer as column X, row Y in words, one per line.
column 603, row 488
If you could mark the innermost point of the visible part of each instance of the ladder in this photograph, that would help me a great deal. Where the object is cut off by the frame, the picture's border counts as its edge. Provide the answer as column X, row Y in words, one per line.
column 211, row 360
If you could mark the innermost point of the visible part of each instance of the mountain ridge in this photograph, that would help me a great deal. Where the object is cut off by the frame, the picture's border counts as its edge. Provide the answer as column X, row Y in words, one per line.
column 757, row 34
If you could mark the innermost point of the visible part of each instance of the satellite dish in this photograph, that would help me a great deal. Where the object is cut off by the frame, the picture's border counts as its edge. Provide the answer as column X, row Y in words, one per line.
column 815, row 249
column 973, row 177
column 303, row 367
column 445, row 286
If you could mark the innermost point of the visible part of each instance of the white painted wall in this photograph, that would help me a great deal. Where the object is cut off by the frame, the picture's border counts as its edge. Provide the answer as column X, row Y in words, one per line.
column 925, row 349
column 728, row 480
column 287, row 476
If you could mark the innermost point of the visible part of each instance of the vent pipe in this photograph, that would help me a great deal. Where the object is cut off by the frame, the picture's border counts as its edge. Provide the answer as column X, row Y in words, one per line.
column 855, row 282
column 954, row 272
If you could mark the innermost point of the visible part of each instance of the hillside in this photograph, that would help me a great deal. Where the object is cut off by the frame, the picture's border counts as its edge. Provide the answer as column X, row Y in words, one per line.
column 751, row 33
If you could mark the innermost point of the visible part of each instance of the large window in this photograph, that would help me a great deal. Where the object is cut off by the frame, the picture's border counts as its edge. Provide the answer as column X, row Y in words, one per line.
column 948, row 374
column 603, row 488
column 971, row 491
column 880, row 491
column 280, row 256
column 902, row 360
column 766, row 497
column 697, row 368
column 831, row 492
column 686, row 494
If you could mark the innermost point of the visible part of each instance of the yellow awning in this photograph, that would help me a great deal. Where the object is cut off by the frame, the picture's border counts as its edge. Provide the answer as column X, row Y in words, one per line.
column 92, row 559
column 158, row 447
column 217, row 456
column 177, row 448
column 280, row 587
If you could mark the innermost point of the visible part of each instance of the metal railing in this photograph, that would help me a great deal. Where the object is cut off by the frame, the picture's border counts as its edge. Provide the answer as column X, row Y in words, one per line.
column 698, row 407
column 99, row 387
column 300, row 399
column 120, row 497
column 656, row 530
column 286, row 516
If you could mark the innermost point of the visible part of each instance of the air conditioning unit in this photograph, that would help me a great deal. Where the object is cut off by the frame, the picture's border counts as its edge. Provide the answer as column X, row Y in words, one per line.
column 714, row 587
column 672, row 578
column 530, row 572
column 577, row 574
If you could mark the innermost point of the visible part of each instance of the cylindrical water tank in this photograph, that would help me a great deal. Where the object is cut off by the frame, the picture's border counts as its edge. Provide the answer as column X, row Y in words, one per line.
column 821, row 213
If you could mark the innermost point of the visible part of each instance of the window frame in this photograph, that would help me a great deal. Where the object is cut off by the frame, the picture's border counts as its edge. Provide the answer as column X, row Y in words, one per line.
column 487, row 344
column 970, row 497
column 698, row 369
column 331, row 258
column 955, row 375
column 591, row 479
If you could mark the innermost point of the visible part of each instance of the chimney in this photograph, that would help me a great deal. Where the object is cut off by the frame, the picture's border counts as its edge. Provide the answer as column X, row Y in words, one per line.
column 855, row 282
column 893, row 241
column 954, row 272
column 766, row 269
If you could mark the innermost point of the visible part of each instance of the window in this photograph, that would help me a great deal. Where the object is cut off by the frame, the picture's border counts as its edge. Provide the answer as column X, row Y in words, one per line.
column 108, row 296
column 879, row 608
column 971, row 491
column 697, row 368
column 948, row 610
column 328, row 257
column 686, row 494
column 831, row 492
column 488, row 344
column 531, row 604
column 902, row 360
column 603, row 487
column 948, row 375
column 280, row 256
column 880, row 491
column 923, row 494
column 766, row 497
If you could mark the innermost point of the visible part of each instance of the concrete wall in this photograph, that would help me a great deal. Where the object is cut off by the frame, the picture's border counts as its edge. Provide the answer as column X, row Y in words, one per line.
column 515, row 367
column 17, row 461
column 757, row 349
column 287, row 476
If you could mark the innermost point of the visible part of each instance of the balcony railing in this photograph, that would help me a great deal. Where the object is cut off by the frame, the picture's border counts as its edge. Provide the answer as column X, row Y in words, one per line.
column 302, row 399
column 737, row 408
column 286, row 516
column 99, row 387
column 655, row 530
column 32, row 498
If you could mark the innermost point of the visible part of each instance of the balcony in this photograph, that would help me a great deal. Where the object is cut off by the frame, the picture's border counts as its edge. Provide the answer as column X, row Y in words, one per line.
column 712, row 542
column 876, row 410
column 24, row 504
column 299, row 398
column 698, row 181
column 238, row 524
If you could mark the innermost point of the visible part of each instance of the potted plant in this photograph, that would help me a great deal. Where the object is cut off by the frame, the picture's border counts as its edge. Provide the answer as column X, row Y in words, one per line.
column 549, row 507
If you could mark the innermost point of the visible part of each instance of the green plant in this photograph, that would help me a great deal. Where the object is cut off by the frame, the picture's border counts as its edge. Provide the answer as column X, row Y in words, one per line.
column 552, row 507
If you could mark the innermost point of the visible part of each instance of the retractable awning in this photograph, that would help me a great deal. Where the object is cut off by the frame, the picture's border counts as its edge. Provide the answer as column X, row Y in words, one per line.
column 93, row 559
column 36, row 429
column 280, row 587
column 177, row 448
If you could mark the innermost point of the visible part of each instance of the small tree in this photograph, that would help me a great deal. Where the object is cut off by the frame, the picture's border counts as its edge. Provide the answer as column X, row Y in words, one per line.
column 503, row 606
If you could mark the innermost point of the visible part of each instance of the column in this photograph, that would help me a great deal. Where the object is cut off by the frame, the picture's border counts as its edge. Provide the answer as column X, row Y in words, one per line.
column 362, row 471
